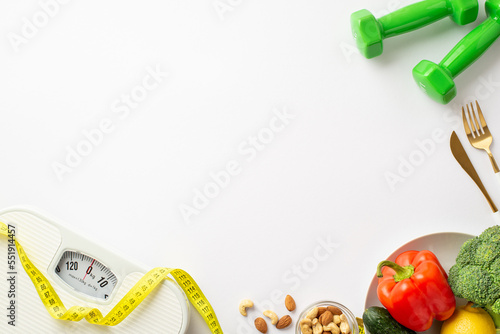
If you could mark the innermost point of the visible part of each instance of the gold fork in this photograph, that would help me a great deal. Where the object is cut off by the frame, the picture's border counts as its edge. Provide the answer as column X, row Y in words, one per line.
column 480, row 136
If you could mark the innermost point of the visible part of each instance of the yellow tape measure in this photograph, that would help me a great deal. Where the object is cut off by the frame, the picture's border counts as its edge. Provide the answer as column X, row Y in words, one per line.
column 126, row 305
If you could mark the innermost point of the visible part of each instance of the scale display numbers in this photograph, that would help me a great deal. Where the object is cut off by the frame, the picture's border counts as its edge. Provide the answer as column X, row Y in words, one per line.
column 86, row 275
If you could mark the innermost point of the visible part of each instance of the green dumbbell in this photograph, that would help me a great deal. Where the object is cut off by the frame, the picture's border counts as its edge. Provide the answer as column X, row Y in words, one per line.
column 370, row 32
column 437, row 80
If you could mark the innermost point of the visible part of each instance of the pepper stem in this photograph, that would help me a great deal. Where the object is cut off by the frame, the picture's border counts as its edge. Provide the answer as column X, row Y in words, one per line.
column 401, row 272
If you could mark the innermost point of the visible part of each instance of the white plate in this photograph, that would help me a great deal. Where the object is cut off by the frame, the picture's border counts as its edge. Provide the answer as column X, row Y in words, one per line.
column 444, row 245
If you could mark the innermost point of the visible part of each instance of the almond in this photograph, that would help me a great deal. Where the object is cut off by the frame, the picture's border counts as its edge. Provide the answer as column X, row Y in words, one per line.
column 261, row 325
column 284, row 322
column 326, row 318
column 321, row 310
column 289, row 303
column 335, row 310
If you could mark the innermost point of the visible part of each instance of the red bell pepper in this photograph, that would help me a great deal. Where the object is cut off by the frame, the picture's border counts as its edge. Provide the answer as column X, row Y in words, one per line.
column 415, row 290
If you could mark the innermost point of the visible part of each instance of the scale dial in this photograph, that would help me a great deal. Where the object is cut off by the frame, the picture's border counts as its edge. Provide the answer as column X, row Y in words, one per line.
column 86, row 275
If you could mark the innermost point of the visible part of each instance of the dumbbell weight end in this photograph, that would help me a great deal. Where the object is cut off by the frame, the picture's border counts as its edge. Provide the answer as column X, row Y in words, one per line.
column 367, row 33
column 435, row 81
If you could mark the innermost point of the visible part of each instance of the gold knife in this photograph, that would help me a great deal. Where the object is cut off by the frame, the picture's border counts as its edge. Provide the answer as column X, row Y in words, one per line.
column 459, row 153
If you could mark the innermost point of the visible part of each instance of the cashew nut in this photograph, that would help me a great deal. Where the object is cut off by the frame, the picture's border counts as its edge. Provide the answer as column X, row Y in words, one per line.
column 312, row 313
column 306, row 329
column 336, row 319
column 305, row 322
column 344, row 325
column 315, row 321
column 345, row 328
column 271, row 315
column 332, row 328
column 244, row 304
column 318, row 328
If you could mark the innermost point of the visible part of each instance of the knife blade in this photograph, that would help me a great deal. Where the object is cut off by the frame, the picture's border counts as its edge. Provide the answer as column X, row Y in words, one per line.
column 463, row 159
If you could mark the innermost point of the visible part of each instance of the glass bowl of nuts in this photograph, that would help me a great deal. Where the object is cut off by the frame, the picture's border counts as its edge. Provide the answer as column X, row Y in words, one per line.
column 332, row 317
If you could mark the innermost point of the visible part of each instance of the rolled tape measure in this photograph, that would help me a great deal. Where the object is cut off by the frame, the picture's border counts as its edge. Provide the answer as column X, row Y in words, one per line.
column 49, row 266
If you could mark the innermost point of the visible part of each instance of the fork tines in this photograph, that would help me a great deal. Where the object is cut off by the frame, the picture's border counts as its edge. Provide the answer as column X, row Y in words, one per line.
column 472, row 119
column 477, row 131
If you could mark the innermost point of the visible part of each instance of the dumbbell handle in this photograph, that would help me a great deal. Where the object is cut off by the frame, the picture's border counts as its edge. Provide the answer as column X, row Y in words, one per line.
column 414, row 16
column 471, row 47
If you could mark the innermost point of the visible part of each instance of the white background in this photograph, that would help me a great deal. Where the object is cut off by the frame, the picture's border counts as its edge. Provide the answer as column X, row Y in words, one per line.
column 323, row 177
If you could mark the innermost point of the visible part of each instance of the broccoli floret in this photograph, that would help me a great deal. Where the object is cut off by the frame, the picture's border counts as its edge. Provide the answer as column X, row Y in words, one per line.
column 495, row 270
column 476, row 274
column 473, row 283
column 467, row 253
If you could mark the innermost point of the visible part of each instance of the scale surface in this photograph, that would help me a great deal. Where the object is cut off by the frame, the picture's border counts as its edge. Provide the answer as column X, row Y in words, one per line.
column 83, row 273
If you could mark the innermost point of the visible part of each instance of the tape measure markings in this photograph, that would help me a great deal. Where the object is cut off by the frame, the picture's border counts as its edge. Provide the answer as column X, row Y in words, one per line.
column 126, row 305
